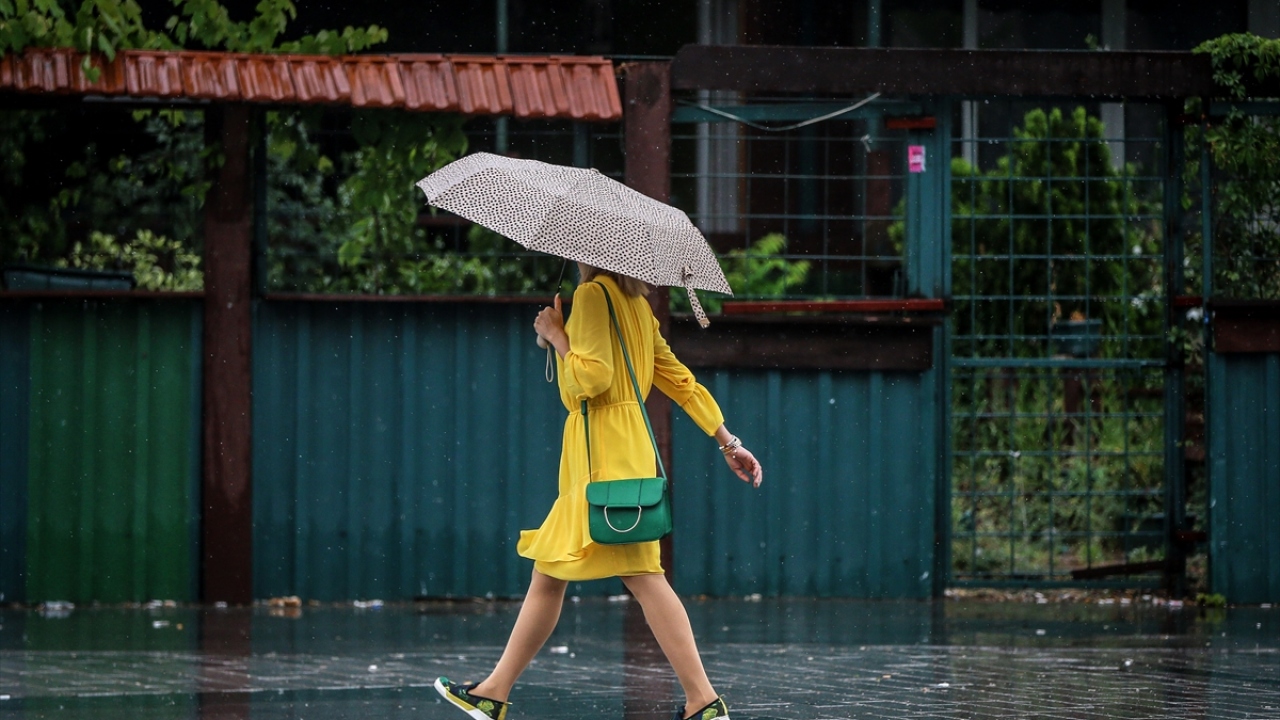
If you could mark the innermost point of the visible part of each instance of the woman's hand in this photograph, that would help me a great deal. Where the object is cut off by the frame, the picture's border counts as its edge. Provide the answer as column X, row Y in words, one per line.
column 550, row 326
column 744, row 465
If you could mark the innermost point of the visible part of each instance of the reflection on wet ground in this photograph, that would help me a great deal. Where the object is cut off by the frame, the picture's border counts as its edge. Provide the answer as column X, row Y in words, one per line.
column 771, row 659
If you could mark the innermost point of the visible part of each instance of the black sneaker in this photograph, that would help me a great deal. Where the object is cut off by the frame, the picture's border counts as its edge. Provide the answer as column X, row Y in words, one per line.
column 716, row 710
column 477, row 707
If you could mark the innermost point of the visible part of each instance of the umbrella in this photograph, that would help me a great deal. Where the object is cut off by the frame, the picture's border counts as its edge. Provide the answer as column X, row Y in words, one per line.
column 582, row 215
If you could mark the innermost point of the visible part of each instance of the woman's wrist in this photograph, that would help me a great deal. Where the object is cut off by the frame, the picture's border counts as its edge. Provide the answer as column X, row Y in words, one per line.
column 729, row 446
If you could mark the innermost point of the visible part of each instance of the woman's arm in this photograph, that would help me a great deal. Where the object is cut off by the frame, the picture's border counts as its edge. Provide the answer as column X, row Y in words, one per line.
column 587, row 358
column 740, row 460
column 550, row 325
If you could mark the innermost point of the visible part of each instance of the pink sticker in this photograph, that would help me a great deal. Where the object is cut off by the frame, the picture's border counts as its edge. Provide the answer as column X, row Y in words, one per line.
column 915, row 158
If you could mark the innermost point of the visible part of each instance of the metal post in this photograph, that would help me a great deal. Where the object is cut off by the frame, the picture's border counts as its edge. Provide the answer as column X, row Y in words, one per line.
column 581, row 145
column 1112, row 114
column 969, row 108
column 501, row 125
column 874, row 14
column 227, row 497
column 1175, row 372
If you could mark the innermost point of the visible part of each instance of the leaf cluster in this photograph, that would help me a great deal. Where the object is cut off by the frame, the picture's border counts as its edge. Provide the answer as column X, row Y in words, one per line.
column 156, row 262
column 1243, row 147
column 107, row 26
column 761, row 270
column 347, row 219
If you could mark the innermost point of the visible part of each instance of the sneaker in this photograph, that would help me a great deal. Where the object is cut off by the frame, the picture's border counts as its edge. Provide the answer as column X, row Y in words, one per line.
column 475, row 706
column 716, row 710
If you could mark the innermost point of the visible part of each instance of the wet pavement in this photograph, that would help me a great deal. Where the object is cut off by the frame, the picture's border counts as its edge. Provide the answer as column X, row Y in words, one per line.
column 799, row 659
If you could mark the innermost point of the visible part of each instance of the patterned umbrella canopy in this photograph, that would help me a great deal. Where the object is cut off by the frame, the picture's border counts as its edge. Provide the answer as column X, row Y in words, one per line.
column 581, row 215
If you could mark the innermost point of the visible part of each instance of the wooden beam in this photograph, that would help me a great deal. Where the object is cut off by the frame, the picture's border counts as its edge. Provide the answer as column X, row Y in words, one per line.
column 647, row 148
column 917, row 72
column 1246, row 326
column 798, row 342
column 226, row 487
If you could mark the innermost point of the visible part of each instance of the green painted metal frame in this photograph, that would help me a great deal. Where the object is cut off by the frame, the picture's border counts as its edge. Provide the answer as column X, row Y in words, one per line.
column 1175, row 404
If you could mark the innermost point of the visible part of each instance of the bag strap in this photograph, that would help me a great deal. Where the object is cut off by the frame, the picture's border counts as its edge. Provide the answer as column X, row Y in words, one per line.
column 635, row 385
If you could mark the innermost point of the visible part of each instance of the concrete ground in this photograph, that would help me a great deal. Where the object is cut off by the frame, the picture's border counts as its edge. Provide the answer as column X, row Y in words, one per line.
column 793, row 659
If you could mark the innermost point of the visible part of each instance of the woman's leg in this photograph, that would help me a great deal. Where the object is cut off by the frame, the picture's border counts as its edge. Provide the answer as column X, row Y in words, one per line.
column 538, row 617
column 670, row 624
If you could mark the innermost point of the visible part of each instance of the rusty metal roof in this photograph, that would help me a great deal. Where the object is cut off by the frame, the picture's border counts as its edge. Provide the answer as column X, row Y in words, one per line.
column 578, row 88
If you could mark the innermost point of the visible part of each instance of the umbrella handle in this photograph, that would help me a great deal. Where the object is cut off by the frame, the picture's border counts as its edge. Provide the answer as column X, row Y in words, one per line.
column 542, row 343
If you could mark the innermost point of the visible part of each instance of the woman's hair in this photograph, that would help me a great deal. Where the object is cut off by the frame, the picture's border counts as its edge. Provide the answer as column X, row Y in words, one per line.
column 628, row 284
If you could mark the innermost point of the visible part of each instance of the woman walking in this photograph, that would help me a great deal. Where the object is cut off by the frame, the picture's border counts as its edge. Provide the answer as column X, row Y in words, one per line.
column 591, row 369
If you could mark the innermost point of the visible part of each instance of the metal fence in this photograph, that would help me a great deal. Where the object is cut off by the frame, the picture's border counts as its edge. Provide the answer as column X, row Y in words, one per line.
column 1058, row 350
column 824, row 176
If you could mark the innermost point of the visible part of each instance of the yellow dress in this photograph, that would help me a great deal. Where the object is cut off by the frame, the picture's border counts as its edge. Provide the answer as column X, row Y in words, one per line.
column 594, row 370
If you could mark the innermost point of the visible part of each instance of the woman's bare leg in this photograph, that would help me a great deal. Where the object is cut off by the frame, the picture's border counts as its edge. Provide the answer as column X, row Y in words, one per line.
column 670, row 624
column 538, row 617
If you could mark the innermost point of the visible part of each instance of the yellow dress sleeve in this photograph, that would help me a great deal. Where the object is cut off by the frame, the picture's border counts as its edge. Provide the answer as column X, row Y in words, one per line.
column 677, row 382
column 587, row 369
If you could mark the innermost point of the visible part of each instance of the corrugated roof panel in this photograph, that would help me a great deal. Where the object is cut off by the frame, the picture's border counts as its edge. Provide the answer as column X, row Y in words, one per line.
column 484, row 85
column 320, row 80
column 6, row 71
column 265, row 78
column 210, row 76
column 152, row 74
column 537, row 88
column 429, row 83
column 375, row 82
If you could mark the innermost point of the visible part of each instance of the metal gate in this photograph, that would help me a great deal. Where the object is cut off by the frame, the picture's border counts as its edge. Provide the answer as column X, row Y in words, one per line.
column 1060, row 383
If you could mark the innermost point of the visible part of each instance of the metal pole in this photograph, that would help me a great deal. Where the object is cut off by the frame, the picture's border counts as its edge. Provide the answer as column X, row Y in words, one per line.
column 501, row 130
column 1175, row 412
column 874, row 14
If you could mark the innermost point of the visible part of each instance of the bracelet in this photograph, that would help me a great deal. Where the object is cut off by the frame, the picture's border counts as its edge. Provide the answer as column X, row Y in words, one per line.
column 733, row 444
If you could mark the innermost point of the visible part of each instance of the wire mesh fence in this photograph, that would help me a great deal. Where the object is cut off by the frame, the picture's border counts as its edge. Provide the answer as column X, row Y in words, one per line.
column 823, row 201
column 1058, row 347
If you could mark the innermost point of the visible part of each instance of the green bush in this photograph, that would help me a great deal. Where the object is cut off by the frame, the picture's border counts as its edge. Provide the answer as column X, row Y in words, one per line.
column 757, row 272
column 157, row 263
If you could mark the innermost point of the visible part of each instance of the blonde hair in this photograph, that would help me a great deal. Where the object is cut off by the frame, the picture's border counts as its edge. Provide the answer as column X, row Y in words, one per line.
column 629, row 285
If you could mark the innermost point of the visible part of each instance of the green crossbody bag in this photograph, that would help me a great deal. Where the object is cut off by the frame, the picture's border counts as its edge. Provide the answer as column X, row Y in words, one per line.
column 637, row 509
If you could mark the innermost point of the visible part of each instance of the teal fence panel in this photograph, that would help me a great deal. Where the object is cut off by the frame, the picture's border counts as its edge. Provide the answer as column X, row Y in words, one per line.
column 1244, row 476
column 848, row 507
column 14, row 363
column 399, row 448
column 113, row 417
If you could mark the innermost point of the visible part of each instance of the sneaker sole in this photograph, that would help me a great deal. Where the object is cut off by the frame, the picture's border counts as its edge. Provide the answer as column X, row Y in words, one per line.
column 468, row 709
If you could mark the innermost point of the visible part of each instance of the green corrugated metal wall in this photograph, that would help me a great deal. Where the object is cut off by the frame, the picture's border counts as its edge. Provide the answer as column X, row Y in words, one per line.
column 398, row 448
column 111, row 475
column 1244, row 476
column 13, row 450
column 848, row 505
